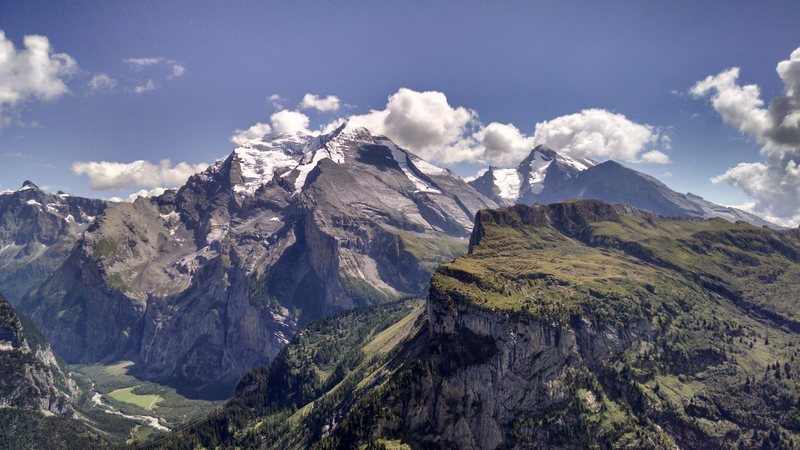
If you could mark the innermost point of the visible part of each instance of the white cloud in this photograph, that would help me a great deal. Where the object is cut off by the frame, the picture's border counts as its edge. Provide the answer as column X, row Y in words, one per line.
column 428, row 125
column 139, row 63
column 105, row 175
column 599, row 134
column 774, row 183
column 254, row 132
column 155, row 192
column 32, row 72
column 751, row 207
column 741, row 106
column 286, row 121
column 177, row 71
column 101, row 82
column 323, row 104
column 173, row 69
column 654, row 157
column 276, row 100
column 147, row 87
column 504, row 144
column 425, row 123
column 281, row 122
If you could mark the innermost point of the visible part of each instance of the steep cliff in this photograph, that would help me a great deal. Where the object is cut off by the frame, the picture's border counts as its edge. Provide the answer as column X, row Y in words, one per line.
column 583, row 323
column 35, row 392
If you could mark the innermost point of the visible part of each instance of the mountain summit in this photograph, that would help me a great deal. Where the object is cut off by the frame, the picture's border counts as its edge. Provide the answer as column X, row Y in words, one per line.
column 516, row 185
column 201, row 284
column 546, row 176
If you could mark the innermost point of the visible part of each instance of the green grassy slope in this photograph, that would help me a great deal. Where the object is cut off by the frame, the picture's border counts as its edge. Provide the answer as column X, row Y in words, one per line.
column 313, row 381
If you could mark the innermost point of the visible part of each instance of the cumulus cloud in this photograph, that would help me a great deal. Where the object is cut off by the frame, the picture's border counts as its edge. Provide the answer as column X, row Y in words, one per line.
column 146, row 87
column 654, row 157
column 600, row 134
column 740, row 106
column 254, row 132
column 323, row 104
column 281, row 122
column 101, row 83
column 504, row 144
column 427, row 124
column 774, row 183
column 286, row 121
column 106, row 175
column 155, row 192
column 34, row 71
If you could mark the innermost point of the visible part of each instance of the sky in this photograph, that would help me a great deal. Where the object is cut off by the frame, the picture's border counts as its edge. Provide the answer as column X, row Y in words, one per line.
column 95, row 96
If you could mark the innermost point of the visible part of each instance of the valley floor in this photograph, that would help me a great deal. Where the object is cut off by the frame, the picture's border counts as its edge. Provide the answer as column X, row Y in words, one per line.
column 129, row 410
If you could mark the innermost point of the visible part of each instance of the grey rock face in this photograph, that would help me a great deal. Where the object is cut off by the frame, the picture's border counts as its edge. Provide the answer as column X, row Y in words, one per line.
column 547, row 177
column 203, row 283
column 32, row 378
column 37, row 231
column 495, row 369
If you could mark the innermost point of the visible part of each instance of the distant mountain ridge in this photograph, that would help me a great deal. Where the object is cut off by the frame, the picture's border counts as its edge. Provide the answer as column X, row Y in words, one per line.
column 546, row 176
column 37, row 231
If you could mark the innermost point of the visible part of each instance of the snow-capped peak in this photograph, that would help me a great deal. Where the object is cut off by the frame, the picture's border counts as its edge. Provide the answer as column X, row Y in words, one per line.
column 27, row 184
column 533, row 169
column 543, row 156
column 529, row 176
column 259, row 158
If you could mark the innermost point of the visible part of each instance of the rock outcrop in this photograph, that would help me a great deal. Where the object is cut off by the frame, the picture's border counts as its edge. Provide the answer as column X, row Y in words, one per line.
column 31, row 376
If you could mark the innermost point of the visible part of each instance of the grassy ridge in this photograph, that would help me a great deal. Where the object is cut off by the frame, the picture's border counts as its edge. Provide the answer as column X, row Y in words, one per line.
column 723, row 297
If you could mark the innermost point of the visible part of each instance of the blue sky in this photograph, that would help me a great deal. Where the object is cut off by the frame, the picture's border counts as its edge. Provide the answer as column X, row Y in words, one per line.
column 509, row 62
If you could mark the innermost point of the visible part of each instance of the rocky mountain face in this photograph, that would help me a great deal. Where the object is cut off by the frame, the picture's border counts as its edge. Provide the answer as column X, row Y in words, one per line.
column 32, row 378
column 203, row 283
column 546, row 176
column 571, row 325
column 35, row 391
column 37, row 232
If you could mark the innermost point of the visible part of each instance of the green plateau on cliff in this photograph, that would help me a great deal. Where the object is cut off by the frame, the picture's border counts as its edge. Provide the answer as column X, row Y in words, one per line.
column 572, row 325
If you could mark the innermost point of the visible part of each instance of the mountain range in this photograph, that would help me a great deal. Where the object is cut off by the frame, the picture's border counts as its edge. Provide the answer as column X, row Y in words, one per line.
column 287, row 229
column 546, row 176
column 294, row 238
column 205, row 282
